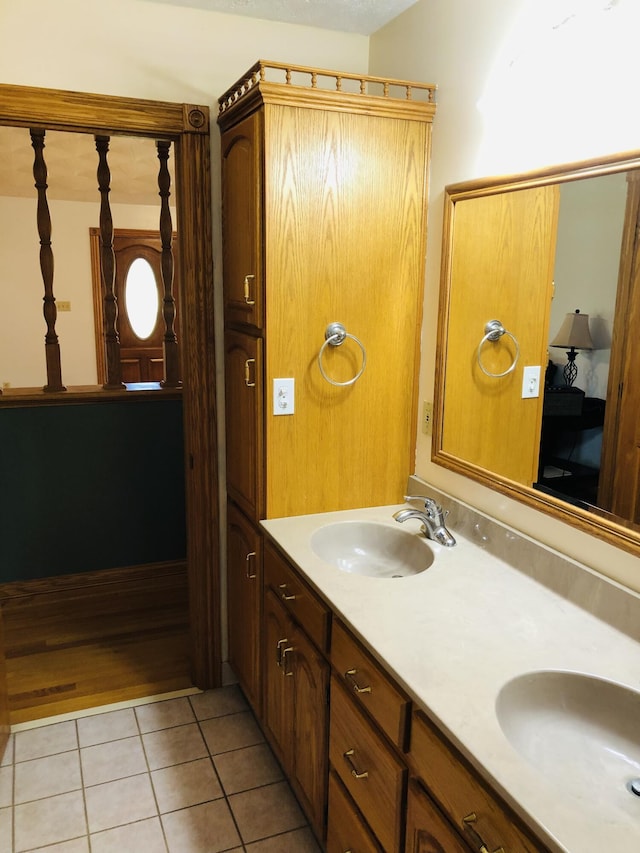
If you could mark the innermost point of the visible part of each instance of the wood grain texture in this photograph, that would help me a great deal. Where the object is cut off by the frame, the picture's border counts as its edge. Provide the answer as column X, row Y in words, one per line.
column 500, row 266
column 76, row 644
column 344, row 241
column 4, row 693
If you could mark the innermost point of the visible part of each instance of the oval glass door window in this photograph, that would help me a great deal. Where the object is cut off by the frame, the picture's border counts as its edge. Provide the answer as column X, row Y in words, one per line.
column 141, row 298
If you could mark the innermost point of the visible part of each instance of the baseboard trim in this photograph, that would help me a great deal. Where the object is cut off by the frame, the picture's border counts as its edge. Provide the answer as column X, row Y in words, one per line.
column 83, row 580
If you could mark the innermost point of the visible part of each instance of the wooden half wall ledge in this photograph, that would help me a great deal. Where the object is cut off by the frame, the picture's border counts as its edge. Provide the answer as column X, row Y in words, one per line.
column 83, row 580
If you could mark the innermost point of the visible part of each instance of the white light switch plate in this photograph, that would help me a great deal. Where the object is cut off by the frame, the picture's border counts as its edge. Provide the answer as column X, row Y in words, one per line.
column 283, row 397
column 531, row 382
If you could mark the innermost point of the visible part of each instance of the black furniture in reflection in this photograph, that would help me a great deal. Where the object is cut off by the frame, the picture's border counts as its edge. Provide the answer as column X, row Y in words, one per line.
column 566, row 415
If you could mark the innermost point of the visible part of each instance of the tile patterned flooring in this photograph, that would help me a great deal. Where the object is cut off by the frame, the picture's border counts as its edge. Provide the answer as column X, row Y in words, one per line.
column 185, row 775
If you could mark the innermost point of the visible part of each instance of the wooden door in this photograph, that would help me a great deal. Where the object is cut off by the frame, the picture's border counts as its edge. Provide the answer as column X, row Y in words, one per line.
column 619, row 484
column 310, row 723
column 242, row 222
column 4, row 695
column 278, row 679
column 243, row 389
column 501, row 268
column 244, row 586
column 141, row 358
column 427, row 830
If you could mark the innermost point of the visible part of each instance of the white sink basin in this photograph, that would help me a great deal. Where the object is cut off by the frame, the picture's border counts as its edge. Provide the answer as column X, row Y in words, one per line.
column 581, row 732
column 372, row 549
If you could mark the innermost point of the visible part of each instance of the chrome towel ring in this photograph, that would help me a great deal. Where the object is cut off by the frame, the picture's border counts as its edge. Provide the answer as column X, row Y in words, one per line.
column 493, row 331
column 335, row 335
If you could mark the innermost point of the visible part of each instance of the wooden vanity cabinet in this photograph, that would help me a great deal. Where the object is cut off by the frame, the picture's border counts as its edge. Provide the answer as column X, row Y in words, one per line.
column 473, row 809
column 427, row 830
column 346, row 830
column 296, row 683
column 244, row 597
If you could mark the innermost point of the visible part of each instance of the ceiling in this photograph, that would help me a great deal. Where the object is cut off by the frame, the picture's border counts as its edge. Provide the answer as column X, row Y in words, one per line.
column 349, row 16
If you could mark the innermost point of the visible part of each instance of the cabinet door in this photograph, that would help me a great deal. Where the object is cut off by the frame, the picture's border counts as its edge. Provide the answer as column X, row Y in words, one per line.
column 278, row 678
column 427, row 830
column 346, row 830
column 242, row 221
column 310, row 724
column 243, row 389
column 244, row 586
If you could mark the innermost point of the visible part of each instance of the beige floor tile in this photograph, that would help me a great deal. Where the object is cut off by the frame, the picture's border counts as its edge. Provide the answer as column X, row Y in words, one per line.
column 6, row 830
column 266, row 811
column 113, row 725
column 298, row 841
column 77, row 845
column 164, row 715
column 217, row 703
column 145, row 835
column 233, row 731
column 185, row 785
column 208, row 828
column 247, row 768
column 117, row 803
column 7, row 755
column 6, row 786
column 45, row 740
column 107, row 762
column 49, row 821
column 174, row 746
column 46, row 777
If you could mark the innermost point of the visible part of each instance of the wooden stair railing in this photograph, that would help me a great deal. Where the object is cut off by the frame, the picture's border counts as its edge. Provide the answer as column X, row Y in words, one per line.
column 170, row 341
column 51, row 346
column 108, row 270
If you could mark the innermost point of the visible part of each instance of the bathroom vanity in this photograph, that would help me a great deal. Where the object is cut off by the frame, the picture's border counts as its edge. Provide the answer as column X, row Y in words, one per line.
column 468, row 703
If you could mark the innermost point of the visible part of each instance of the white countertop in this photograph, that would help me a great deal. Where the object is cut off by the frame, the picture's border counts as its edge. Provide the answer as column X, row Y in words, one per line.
column 453, row 635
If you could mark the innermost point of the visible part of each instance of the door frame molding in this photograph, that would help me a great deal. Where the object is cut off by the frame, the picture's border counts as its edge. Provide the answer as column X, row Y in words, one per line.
column 188, row 128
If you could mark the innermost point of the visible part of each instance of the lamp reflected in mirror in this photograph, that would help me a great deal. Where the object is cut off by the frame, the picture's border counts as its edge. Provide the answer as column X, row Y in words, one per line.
column 573, row 335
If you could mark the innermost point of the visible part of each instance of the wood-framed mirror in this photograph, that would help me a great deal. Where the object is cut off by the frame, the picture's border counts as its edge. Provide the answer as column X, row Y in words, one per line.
column 529, row 250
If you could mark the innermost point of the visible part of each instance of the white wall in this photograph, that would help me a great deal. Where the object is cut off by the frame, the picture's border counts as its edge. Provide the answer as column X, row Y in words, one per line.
column 521, row 84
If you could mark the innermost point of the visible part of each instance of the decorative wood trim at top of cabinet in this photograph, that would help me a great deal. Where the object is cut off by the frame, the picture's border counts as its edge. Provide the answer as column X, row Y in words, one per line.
column 338, row 90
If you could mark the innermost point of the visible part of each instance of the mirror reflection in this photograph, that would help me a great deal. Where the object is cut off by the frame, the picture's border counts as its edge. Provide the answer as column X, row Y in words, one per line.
column 552, row 257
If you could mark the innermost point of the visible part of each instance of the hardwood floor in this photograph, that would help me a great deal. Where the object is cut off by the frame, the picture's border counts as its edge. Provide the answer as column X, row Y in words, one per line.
column 87, row 640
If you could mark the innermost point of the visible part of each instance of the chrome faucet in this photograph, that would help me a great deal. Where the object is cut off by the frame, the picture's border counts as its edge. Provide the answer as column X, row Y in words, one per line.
column 432, row 518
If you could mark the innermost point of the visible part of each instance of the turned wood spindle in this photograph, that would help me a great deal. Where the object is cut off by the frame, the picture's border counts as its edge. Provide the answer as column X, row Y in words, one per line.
column 51, row 346
column 170, row 341
column 108, row 269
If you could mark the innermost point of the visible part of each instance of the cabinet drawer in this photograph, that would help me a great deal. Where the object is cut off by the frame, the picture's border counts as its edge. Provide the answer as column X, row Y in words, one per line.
column 463, row 795
column 300, row 601
column 427, row 830
column 370, row 685
column 346, row 829
column 367, row 767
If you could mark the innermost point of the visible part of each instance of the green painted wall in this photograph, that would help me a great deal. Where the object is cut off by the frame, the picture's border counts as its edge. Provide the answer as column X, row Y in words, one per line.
column 91, row 486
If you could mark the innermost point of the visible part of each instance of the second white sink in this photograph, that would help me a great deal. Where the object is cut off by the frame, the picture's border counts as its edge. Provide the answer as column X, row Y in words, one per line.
column 372, row 549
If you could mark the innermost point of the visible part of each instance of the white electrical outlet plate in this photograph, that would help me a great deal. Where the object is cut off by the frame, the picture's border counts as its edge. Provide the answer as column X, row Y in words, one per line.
column 531, row 382
column 283, row 397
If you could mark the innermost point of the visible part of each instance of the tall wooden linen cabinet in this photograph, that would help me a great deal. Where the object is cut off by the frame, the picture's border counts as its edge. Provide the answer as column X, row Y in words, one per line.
column 324, row 190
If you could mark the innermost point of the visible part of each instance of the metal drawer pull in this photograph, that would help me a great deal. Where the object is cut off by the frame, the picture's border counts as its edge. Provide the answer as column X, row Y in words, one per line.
column 247, row 373
column 249, row 558
column 357, row 774
column 350, row 677
column 247, row 295
column 284, row 595
column 285, row 652
column 279, row 651
column 478, row 843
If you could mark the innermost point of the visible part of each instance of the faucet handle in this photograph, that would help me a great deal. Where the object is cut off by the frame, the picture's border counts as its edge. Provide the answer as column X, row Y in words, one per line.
column 428, row 502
